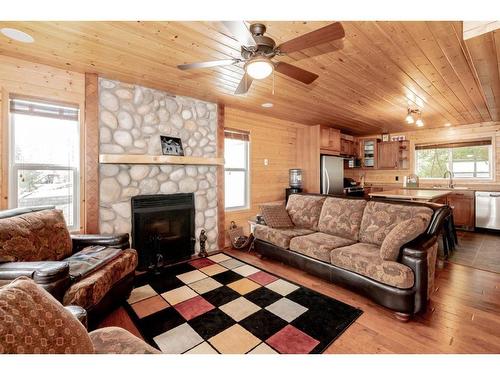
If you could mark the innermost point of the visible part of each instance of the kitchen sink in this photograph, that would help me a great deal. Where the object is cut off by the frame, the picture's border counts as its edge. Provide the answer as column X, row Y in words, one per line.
column 437, row 187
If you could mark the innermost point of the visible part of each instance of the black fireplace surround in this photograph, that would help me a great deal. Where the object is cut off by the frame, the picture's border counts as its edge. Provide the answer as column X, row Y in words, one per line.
column 163, row 228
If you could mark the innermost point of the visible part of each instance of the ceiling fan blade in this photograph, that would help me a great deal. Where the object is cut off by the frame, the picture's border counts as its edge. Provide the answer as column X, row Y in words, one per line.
column 240, row 31
column 326, row 34
column 295, row 72
column 208, row 64
column 245, row 83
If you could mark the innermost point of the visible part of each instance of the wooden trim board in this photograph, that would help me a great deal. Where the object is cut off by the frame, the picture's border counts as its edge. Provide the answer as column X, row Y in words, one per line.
column 158, row 159
column 221, row 213
column 91, row 155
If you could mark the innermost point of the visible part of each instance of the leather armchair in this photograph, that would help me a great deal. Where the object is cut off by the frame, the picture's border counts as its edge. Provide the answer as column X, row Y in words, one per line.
column 98, row 292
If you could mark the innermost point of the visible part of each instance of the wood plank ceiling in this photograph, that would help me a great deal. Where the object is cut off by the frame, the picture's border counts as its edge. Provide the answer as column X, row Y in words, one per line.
column 363, row 85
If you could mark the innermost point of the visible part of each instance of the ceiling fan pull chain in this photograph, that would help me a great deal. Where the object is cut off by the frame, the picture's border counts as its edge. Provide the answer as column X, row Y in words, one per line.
column 273, row 81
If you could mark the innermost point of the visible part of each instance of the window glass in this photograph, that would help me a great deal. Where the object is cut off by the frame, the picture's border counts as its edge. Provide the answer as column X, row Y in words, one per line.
column 464, row 162
column 44, row 158
column 236, row 173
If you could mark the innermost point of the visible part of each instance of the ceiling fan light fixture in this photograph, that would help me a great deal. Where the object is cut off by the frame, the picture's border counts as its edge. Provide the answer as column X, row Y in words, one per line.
column 419, row 123
column 17, row 35
column 259, row 68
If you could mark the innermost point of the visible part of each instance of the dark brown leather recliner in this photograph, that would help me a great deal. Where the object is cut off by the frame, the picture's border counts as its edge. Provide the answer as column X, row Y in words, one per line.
column 96, row 292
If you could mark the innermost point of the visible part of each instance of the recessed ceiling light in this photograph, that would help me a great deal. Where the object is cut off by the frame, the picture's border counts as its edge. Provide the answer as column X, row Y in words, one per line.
column 267, row 105
column 447, row 124
column 17, row 35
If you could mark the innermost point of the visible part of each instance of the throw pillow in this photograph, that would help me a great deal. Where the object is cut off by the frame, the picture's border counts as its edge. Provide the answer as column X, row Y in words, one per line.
column 402, row 233
column 34, row 322
column 275, row 216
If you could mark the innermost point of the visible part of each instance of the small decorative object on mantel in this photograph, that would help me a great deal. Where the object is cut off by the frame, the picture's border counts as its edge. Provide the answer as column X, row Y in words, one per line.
column 385, row 137
column 238, row 238
column 203, row 239
column 171, row 146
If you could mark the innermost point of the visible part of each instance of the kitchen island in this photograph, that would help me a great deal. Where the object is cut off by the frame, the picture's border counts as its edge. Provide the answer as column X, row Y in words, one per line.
column 412, row 195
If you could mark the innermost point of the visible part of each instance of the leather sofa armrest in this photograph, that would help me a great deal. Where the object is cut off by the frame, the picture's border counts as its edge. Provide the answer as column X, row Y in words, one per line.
column 119, row 241
column 41, row 272
column 415, row 255
column 418, row 247
column 79, row 313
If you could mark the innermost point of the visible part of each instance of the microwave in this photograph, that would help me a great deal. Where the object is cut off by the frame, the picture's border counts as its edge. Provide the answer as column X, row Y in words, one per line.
column 353, row 163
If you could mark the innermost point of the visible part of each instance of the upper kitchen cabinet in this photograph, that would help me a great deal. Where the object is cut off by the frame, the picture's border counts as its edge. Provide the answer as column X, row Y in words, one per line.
column 348, row 146
column 330, row 140
column 369, row 152
column 393, row 155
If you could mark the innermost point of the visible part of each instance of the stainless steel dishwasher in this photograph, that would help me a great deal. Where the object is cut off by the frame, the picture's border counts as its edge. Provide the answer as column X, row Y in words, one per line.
column 488, row 209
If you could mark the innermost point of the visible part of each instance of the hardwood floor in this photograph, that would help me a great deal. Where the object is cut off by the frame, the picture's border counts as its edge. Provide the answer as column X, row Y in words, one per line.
column 463, row 315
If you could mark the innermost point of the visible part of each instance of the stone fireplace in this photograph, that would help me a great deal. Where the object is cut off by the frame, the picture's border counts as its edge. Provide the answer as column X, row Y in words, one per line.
column 163, row 228
column 131, row 120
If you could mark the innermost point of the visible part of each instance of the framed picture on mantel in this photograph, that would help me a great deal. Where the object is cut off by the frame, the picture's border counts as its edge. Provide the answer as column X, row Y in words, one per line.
column 171, row 146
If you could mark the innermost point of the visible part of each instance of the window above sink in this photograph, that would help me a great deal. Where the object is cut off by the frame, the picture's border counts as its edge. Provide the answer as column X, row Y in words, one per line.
column 467, row 160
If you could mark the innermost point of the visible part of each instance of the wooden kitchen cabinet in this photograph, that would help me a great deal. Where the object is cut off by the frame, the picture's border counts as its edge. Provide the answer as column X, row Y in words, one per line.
column 462, row 204
column 330, row 142
column 369, row 152
column 347, row 147
column 388, row 153
column 393, row 155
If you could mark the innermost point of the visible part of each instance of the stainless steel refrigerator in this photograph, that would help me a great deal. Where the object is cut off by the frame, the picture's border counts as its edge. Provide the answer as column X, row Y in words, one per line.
column 332, row 175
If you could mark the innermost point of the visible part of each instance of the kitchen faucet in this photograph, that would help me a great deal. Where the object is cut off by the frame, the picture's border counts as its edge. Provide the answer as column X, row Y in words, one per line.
column 449, row 174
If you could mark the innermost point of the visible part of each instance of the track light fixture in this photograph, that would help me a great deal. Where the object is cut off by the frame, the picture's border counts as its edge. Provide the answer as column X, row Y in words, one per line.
column 414, row 115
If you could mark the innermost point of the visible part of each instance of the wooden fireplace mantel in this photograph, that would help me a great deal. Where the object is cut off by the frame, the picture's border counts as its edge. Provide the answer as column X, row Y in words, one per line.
column 157, row 159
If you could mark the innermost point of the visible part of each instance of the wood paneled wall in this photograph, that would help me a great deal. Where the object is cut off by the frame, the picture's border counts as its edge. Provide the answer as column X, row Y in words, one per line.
column 40, row 81
column 457, row 133
column 272, row 139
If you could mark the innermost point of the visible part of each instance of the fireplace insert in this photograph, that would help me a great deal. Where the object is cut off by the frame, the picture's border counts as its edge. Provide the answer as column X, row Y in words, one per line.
column 163, row 228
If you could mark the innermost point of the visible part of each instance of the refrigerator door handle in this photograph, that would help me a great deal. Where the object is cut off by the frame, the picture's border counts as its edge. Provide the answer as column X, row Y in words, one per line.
column 327, row 181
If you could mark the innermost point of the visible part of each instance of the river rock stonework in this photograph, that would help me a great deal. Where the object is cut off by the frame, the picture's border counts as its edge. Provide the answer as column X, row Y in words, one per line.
column 131, row 120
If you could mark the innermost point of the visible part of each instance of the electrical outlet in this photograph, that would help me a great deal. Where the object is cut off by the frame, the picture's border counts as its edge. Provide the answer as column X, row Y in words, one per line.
column 266, row 162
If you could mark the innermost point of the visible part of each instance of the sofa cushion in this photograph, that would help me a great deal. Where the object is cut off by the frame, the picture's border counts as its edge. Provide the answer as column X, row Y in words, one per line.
column 116, row 340
column 399, row 235
column 364, row 258
column 35, row 236
column 91, row 289
column 342, row 217
column 34, row 322
column 379, row 218
column 279, row 236
column 318, row 245
column 304, row 210
column 275, row 216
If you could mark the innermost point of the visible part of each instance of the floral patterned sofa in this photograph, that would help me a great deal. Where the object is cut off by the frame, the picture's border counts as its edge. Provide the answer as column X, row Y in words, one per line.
column 95, row 272
column 384, row 250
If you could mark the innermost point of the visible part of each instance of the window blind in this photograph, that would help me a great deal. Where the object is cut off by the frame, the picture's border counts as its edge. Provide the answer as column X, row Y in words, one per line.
column 45, row 109
column 477, row 142
column 237, row 134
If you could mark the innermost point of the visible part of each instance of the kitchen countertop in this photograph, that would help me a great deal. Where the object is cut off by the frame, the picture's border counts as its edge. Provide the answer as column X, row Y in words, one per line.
column 412, row 194
column 468, row 187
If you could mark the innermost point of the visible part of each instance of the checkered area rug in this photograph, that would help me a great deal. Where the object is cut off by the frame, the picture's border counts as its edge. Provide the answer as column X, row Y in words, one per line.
column 222, row 305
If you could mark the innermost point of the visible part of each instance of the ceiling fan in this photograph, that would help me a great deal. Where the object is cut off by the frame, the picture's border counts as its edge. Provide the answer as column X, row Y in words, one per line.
column 258, row 50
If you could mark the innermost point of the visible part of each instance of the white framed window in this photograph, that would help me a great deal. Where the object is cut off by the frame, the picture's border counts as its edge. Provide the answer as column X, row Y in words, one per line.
column 468, row 159
column 45, row 156
column 236, row 169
